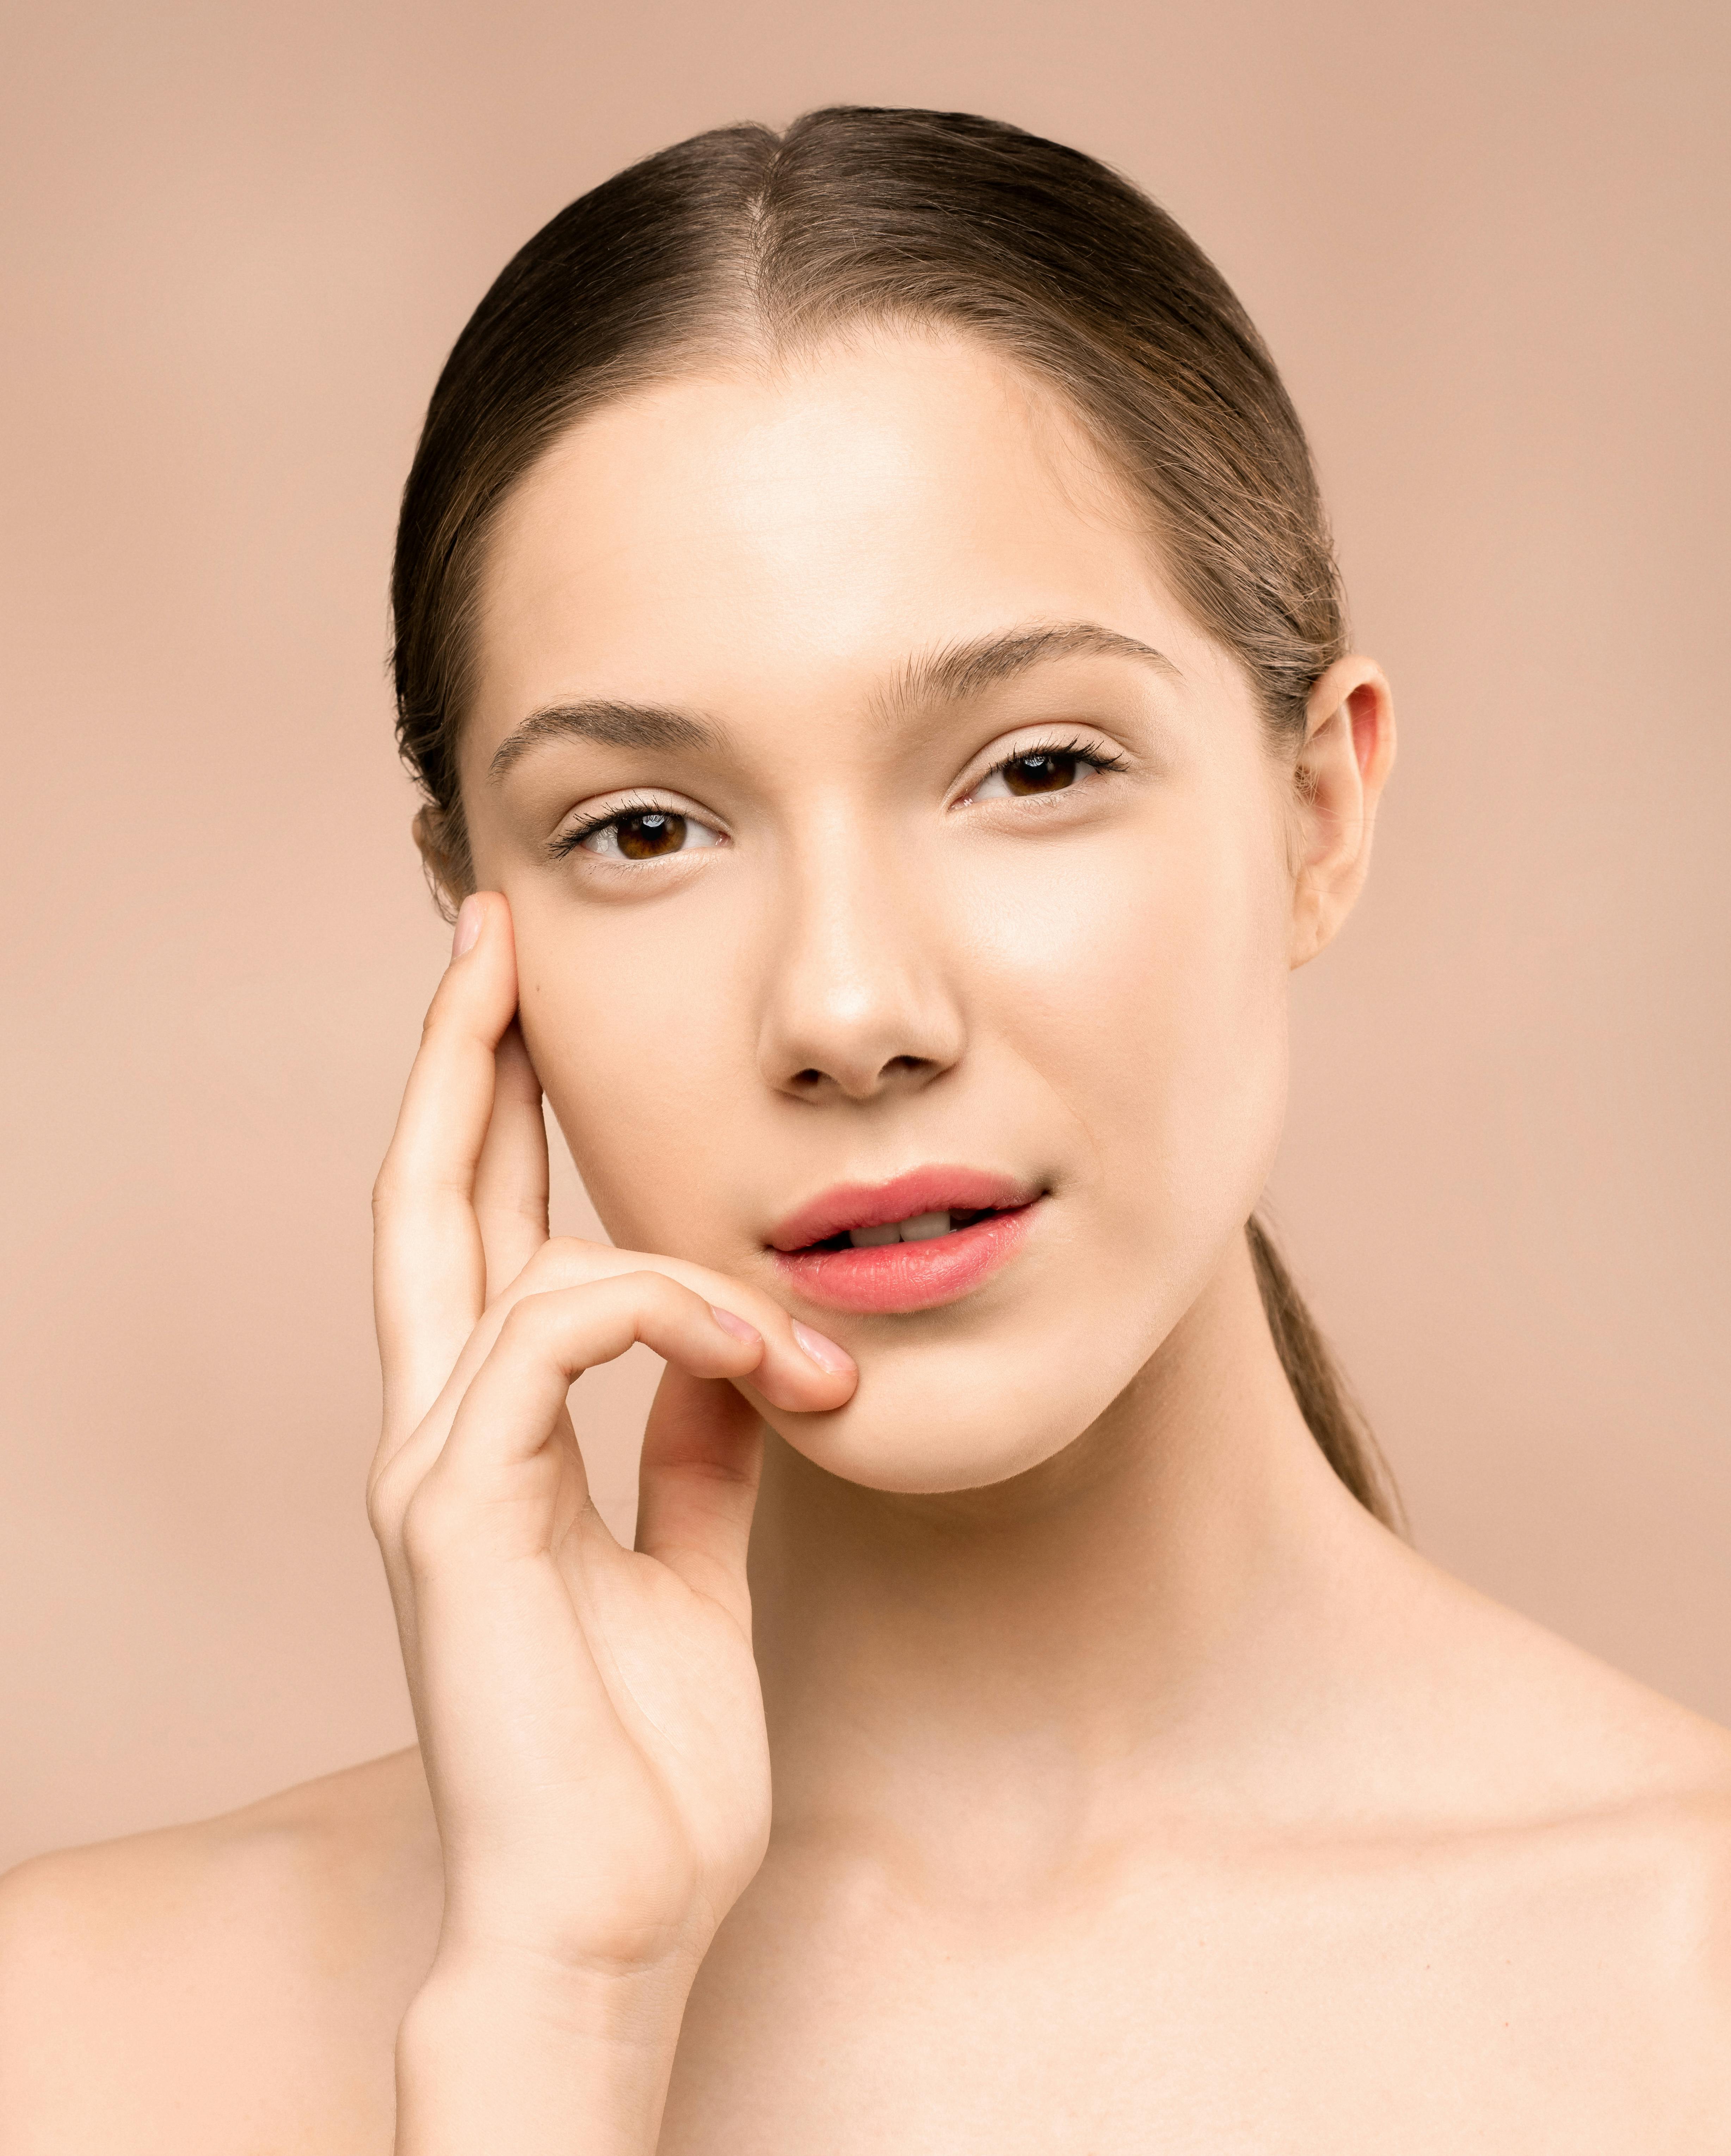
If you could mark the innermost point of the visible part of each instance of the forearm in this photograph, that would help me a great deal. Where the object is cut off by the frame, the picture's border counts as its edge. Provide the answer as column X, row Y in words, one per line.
column 501, row 2059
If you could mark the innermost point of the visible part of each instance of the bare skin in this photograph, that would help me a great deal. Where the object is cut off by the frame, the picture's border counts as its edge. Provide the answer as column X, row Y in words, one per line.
column 1070, row 1765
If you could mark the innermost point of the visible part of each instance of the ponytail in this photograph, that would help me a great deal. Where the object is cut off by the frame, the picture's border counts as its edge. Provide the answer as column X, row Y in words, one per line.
column 1324, row 1398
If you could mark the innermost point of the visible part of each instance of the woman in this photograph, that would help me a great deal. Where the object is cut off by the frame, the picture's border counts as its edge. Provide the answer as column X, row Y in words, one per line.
column 867, row 638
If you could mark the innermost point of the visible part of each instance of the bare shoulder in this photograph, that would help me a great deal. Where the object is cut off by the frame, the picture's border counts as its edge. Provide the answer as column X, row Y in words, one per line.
column 1541, row 1746
column 1656, row 1794
column 1575, row 1733
column 234, row 1984
column 1632, row 1881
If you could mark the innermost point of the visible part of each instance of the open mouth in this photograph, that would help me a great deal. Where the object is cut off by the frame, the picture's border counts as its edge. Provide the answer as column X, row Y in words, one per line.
column 901, row 1246
column 923, row 1227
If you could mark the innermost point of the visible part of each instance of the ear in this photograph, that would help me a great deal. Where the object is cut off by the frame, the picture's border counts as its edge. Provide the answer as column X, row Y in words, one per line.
column 1348, row 752
column 443, row 857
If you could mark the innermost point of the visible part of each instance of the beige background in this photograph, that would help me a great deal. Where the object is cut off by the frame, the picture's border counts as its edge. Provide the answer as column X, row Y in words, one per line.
column 1486, row 243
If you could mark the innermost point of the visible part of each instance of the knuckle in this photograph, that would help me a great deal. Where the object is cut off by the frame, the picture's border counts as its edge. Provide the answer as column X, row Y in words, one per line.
column 540, row 1318
column 430, row 1525
column 565, row 1259
column 384, row 1505
column 646, row 1285
column 643, row 1294
column 545, row 1263
column 535, row 1324
column 667, row 1295
column 525, row 1322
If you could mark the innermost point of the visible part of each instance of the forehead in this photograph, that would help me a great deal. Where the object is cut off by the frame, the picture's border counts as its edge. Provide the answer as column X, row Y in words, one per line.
column 724, row 540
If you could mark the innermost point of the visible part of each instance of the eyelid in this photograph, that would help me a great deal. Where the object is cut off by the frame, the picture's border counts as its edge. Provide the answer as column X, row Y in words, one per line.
column 612, row 808
column 1086, row 743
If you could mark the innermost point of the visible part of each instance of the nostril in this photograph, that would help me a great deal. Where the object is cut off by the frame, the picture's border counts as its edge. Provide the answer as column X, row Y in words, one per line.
column 862, row 1083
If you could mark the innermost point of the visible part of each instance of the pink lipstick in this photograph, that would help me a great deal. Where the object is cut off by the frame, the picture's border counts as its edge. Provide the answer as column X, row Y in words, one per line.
column 924, row 1239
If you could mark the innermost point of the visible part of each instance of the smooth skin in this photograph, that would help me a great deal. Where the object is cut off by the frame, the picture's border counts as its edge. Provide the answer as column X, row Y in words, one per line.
column 1006, row 1733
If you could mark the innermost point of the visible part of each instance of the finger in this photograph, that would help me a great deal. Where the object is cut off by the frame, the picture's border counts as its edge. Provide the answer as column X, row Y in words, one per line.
column 547, row 1340
column 510, row 1190
column 429, row 1268
column 703, row 1456
column 801, row 1370
column 784, row 1370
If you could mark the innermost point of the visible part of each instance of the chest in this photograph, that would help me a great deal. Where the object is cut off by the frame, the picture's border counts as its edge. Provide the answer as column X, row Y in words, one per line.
column 1453, row 2007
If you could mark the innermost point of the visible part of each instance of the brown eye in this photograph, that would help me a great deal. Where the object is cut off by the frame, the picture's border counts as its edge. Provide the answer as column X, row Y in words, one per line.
column 649, row 834
column 1049, row 771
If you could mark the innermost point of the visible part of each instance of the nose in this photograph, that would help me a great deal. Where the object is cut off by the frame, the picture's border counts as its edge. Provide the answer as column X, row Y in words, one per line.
column 858, row 1004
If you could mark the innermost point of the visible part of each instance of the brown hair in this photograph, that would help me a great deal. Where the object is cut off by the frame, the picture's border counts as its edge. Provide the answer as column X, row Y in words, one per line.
column 741, row 241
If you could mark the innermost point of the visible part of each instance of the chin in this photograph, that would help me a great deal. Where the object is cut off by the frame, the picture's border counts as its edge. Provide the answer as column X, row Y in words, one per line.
column 931, row 1417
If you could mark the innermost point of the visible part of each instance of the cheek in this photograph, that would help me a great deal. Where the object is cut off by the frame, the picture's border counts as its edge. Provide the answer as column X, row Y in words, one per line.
column 632, row 1018
column 1145, row 980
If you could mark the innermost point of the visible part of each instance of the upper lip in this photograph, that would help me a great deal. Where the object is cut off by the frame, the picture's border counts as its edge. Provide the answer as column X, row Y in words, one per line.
column 903, row 1198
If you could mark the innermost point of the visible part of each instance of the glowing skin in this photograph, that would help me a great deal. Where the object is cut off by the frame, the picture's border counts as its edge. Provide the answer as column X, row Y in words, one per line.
column 889, row 960
column 1029, row 1745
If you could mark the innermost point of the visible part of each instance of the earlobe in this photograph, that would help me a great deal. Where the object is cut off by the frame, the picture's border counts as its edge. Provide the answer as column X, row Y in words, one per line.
column 1346, row 753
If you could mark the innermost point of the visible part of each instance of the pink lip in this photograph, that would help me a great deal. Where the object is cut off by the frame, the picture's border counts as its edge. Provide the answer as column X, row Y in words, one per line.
column 904, row 1276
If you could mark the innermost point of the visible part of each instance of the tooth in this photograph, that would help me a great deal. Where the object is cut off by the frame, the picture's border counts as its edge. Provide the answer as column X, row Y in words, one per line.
column 924, row 1226
column 865, row 1239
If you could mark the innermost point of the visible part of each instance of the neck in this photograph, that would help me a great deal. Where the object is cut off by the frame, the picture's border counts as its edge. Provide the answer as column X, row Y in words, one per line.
column 1142, row 1615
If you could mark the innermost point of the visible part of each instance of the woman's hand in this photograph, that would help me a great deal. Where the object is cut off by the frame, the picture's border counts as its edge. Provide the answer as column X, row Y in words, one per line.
column 590, row 1716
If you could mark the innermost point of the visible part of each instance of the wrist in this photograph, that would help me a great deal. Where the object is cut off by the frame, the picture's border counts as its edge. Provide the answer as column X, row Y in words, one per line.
column 629, row 2007
column 501, row 2050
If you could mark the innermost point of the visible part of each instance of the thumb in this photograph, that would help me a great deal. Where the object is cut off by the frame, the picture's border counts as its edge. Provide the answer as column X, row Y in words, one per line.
column 703, row 1454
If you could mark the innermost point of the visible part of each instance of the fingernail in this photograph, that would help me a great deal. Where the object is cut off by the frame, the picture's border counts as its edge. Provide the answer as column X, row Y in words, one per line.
column 823, row 1352
column 737, row 1325
column 469, row 926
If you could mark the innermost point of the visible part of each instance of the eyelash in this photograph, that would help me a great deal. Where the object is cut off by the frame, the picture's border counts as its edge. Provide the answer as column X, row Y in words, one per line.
column 567, row 842
column 1091, row 754
column 1101, row 759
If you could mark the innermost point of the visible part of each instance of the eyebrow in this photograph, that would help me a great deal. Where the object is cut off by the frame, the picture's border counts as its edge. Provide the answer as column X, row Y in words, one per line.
column 612, row 724
column 950, row 675
column 957, row 671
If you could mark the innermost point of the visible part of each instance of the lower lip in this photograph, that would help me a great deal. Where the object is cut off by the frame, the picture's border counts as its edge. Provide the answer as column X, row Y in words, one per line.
column 903, row 1277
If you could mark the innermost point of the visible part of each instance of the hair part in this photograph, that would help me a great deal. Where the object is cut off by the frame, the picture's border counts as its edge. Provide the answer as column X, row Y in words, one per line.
column 743, row 243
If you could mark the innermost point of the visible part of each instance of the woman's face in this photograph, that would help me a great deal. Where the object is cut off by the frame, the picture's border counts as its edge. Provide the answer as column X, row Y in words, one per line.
column 885, row 844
